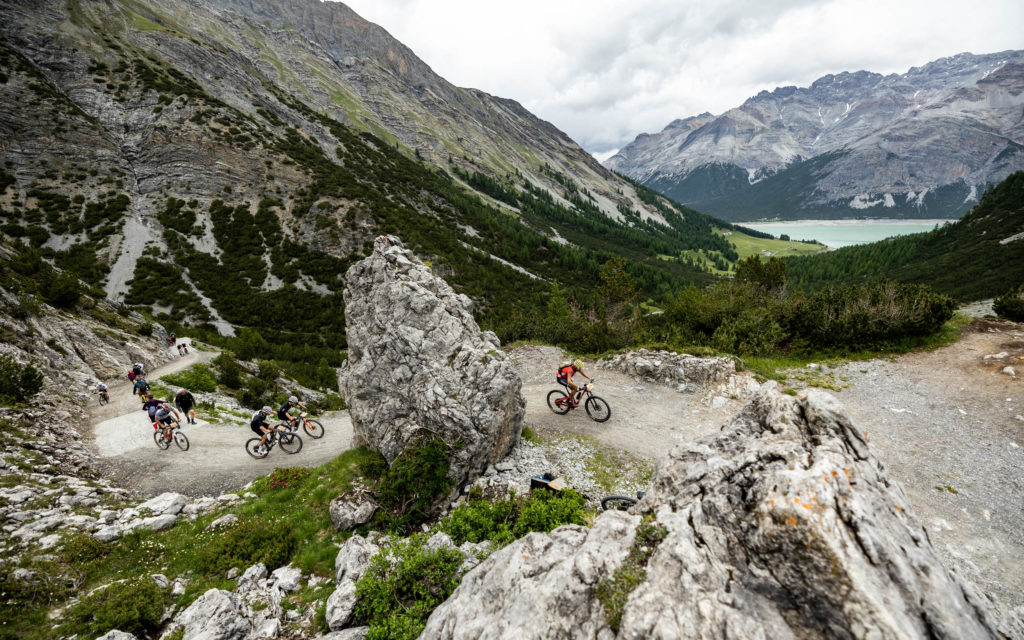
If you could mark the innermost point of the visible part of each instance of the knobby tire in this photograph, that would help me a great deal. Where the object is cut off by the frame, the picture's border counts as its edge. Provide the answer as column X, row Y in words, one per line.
column 598, row 409
column 252, row 446
column 617, row 503
column 181, row 440
column 313, row 428
column 160, row 440
column 290, row 442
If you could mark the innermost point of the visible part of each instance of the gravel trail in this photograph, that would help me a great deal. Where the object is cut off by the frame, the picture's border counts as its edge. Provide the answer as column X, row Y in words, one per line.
column 216, row 461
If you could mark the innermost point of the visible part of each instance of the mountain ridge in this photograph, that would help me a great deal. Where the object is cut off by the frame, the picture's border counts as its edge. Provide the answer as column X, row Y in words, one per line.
column 919, row 144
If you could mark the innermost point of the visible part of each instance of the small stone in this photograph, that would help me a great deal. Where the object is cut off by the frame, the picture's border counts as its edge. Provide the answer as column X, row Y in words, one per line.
column 107, row 534
column 504, row 466
column 160, row 580
column 287, row 578
column 223, row 521
column 49, row 541
column 232, row 573
column 1010, row 372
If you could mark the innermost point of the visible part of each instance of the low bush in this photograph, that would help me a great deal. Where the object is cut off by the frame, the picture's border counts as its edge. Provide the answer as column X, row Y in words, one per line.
column 271, row 542
column 135, row 606
column 1010, row 305
column 198, row 377
column 280, row 478
column 410, row 489
column 18, row 382
column 503, row 521
column 403, row 585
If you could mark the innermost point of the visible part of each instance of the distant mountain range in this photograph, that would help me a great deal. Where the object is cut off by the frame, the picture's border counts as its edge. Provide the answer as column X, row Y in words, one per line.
column 923, row 144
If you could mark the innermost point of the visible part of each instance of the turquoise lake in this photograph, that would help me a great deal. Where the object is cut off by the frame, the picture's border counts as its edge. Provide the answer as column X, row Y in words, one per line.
column 843, row 233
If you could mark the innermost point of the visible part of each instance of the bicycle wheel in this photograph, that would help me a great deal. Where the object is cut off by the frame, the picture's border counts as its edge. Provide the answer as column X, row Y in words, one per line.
column 160, row 440
column 103, row 400
column 313, row 428
column 181, row 440
column 252, row 447
column 290, row 442
column 558, row 402
column 617, row 503
column 597, row 409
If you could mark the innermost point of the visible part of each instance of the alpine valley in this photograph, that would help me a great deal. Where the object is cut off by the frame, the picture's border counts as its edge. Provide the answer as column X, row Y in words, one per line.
column 224, row 162
column 923, row 144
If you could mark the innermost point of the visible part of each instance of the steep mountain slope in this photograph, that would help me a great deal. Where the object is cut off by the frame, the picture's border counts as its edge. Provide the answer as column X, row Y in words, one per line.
column 225, row 162
column 921, row 144
column 979, row 256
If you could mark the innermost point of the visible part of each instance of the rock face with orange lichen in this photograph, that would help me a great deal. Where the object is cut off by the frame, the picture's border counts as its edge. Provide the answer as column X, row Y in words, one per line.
column 784, row 525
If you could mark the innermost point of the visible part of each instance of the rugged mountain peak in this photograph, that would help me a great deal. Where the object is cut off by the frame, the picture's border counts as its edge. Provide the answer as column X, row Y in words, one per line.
column 784, row 525
column 924, row 143
column 419, row 366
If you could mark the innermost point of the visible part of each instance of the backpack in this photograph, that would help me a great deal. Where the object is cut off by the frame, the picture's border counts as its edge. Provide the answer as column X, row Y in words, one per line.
column 131, row 375
column 561, row 365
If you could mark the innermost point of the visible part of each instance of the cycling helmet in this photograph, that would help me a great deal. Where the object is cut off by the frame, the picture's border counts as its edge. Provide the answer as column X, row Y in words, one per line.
column 577, row 363
column 267, row 410
column 149, row 395
column 292, row 399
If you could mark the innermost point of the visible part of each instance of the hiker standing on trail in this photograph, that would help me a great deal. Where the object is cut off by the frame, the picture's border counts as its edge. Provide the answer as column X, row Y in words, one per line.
column 186, row 403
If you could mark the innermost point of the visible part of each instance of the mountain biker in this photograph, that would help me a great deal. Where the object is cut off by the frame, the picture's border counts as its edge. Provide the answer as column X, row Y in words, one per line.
column 282, row 413
column 150, row 406
column 163, row 416
column 184, row 401
column 141, row 388
column 139, row 369
column 101, row 389
column 261, row 427
column 565, row 373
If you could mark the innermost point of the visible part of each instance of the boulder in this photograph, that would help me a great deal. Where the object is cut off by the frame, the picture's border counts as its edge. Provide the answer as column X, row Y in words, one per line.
column 114, row 634
column 165, row 503
column 351, row 510
column 351, row 563
column 419, row 366
column 215, row 615
column 784, row 525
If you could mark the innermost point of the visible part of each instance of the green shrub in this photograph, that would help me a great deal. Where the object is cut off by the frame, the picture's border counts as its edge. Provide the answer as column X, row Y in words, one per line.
column 403, row 585
column 18, row 382
column 229, row 372
column 280, row 478
column 503, row 521
column 271, row 542
column 410, row 489
column 198, row 377
column 135, row 607
column 1010, row 305
column 145, row 329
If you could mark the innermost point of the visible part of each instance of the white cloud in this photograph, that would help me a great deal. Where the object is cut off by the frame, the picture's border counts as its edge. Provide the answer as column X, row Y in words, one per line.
column 604, row 71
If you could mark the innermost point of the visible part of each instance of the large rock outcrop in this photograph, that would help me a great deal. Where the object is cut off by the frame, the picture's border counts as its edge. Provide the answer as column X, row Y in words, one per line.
column 419, row 365
column 782, row 526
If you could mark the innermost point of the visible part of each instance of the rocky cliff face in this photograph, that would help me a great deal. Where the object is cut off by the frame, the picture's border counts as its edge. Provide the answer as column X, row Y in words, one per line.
column 921, row 144
column 420, row 367
column 783, row 526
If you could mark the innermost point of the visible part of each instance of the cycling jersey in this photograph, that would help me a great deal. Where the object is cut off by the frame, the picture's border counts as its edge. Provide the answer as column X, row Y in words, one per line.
column 163, row 413
column 565, row 372
column 282, row 413
column 258, row 420
column 142, row 386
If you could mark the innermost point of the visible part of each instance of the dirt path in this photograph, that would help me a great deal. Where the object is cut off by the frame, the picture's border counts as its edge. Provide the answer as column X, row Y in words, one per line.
column 216, row 460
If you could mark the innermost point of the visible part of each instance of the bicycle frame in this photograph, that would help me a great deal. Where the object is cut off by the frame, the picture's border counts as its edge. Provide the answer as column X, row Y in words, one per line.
column 583, row 391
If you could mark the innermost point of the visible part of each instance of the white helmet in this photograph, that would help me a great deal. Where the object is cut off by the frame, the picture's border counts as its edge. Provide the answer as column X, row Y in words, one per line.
column 292, row 399
column 266, row 410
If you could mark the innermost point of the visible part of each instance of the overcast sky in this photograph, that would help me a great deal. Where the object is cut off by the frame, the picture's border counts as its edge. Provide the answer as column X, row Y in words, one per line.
column 604, row 71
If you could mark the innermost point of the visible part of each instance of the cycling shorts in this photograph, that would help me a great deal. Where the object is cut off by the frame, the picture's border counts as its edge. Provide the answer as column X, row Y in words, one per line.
column 562, row 381
column 256, row 429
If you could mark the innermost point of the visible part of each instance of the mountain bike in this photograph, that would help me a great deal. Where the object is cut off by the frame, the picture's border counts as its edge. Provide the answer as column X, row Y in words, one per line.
column 290, row 443
column 165, row 433
column 104, row 397
column 561, row 402
column 620, row 503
